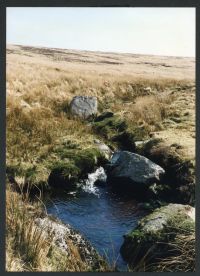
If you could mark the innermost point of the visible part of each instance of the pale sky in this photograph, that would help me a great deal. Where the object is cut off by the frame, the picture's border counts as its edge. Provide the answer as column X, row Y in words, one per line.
column 157, row 31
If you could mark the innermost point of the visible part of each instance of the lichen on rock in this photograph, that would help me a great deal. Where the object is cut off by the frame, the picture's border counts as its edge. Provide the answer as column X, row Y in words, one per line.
column 150, row 240
column 64, row 237
column 132, row 171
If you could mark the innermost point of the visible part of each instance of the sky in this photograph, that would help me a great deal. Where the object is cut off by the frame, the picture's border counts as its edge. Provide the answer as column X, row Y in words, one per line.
column 157, row 31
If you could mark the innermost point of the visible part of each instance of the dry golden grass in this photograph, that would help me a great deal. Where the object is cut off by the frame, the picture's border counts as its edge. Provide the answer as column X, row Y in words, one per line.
column 148, row 110
column 39, row 91
column 184, row 259
column 13, row 260
column 23, row 236
column 28, row 248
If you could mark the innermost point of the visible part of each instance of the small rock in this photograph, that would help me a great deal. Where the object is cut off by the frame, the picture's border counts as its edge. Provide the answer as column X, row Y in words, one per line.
column 25, row 105
column 103, row 148
column 83, row 106
column 147, row 89
column 141, row 143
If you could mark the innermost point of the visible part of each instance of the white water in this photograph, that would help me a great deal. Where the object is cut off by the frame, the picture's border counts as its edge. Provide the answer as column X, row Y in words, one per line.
column 88, row 184
column 99, row 214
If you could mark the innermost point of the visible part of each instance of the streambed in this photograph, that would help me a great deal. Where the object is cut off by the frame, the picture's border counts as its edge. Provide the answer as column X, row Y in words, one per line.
column 101, row 215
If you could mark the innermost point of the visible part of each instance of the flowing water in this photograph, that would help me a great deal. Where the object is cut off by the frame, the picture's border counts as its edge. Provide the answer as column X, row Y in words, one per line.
column 101, row 215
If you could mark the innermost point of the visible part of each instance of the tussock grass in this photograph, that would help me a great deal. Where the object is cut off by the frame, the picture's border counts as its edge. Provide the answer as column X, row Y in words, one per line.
column 177, row 254
column 184, row 259
column 29, row 248
column 23, row 236
column 151, row 109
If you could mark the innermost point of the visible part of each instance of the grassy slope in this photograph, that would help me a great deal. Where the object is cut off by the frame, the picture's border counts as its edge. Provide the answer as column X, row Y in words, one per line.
column 42, row 82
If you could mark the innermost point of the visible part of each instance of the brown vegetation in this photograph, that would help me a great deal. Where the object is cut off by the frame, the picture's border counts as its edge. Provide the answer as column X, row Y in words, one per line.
column 28, row 246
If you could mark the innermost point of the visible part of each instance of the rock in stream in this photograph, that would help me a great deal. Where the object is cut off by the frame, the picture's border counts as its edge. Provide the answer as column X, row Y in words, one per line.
column 133, row 171
column 152, row 238
column 64, row 234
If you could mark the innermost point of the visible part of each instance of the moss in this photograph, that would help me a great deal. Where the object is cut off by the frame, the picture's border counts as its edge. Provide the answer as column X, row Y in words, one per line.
column 125, row 140
column 179, row 181
column 103, row 116
column 14, row 169
column 117, row 131
column 181, row 224
column 63, row 175
column 152, row 204
column 62, row 152
column 30, row 172
column 140, row 132
column 66, row 169
column 150, row 144
column 66, row 173
column 63, row 167
column 113, row 123
column 33, row 178
column 87, row 159
column 155, row 233
column 109, row 126
column 138, row 236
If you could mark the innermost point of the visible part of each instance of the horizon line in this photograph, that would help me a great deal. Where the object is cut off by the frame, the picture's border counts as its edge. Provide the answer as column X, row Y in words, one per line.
column 100, row 51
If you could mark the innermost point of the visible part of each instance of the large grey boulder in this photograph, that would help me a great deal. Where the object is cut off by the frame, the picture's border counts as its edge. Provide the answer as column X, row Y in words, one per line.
column 127, row 169
column 83, row 106
column 157, row 235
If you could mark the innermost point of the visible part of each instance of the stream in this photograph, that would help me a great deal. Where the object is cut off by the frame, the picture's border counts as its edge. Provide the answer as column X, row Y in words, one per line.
column 101, row 215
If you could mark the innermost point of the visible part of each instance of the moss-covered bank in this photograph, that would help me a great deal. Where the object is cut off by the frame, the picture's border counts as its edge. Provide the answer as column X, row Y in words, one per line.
column 158, row 236
column 179, row 182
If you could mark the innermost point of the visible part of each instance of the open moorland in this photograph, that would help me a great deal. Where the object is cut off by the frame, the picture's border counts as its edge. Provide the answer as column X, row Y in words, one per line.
column 145, row 108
